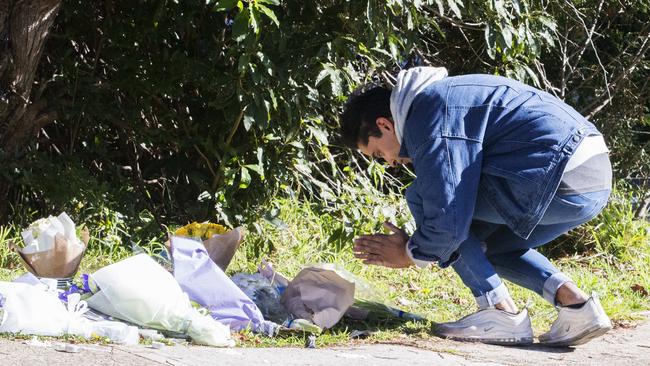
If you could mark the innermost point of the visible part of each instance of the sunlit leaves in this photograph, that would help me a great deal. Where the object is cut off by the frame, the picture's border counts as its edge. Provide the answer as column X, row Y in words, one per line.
column 270, row 2
column 455, row 6
column 241, row 26
column 243, row 63
column 257, row 112
column 333, row 76
column 269, row 13
column 258, row 85
column 223, row 5
column 245, row 178
column 248, row 17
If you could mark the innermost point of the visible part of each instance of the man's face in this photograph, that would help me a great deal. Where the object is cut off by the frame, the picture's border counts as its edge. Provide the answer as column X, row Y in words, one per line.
column 385, row 147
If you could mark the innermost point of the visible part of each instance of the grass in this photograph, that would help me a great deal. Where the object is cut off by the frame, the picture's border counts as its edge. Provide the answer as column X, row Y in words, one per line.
column 614, row 263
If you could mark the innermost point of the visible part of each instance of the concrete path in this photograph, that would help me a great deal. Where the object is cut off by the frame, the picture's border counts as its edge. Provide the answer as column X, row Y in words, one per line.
column 619, row 347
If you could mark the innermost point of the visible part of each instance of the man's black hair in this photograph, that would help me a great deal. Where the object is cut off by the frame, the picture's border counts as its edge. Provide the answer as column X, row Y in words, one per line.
column 358, row 121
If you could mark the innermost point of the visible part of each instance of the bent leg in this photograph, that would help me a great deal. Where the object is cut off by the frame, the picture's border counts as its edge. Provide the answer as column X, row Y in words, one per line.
column 530, row 269
column 514, row 257
column 479, row 274
column 498, row 320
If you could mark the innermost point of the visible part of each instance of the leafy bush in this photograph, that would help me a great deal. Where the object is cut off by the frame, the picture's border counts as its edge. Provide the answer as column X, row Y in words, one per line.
column 170, row 112
column 616, row 235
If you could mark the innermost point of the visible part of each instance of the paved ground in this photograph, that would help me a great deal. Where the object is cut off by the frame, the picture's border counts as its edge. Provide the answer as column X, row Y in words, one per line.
column 619, row 347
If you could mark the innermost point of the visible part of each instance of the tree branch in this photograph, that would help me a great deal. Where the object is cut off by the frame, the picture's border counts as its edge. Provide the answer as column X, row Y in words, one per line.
column 603, row 100
column 474, row 26
column 234, row 128
column 589, row 41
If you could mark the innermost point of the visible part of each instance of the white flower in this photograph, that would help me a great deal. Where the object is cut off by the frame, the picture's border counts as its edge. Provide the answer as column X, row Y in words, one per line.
column 40, row 235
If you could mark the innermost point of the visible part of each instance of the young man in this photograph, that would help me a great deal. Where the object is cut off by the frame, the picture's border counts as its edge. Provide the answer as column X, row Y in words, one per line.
column 502, row 168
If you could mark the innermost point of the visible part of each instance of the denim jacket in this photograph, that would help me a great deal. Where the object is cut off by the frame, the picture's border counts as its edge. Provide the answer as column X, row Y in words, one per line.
column 483, row 135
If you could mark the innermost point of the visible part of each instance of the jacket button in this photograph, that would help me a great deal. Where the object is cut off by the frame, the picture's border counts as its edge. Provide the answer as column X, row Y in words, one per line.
column 576, row 138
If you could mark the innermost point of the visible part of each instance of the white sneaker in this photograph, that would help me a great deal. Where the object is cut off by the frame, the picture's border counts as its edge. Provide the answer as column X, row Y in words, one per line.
column 490, row 326
column 577, row 326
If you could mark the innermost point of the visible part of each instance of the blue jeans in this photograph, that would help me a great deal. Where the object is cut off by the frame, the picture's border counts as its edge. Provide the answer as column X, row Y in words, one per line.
column 493, row 251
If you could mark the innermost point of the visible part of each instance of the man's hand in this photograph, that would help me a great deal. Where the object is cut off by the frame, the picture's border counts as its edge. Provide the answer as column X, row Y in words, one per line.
column 388, row 250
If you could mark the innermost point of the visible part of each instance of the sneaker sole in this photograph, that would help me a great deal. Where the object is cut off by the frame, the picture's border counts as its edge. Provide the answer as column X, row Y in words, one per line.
column 581, row 338
column 497, row 341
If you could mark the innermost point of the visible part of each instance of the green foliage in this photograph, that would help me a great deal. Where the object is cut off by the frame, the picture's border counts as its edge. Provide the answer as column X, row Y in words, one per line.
column 175, row 111
column 170, row 112
column 619, row 234
column 616, row 235
column 191, row 110
column 303, row 232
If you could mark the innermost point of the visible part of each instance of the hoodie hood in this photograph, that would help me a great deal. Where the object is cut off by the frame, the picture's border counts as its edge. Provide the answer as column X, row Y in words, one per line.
column 409, row 84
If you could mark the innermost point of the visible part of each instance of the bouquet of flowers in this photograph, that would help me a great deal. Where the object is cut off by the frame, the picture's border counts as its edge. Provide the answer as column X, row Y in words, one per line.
column 139, row 290
column 52, row 248
column 201, row 231
column 220, row 243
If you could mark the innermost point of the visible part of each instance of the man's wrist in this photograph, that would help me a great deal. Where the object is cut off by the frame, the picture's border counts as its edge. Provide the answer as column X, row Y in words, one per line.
column 418, row 262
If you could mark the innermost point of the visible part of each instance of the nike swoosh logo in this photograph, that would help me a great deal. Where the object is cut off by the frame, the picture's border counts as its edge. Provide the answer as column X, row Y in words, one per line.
column 487, row 329
column 567, row 328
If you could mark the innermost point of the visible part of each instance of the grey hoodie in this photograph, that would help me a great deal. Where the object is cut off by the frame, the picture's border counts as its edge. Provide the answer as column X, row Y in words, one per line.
column 409, row 83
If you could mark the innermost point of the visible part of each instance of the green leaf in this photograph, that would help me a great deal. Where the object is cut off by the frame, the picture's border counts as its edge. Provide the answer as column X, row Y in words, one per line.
column 240, row 28
column 532, row 75
column 454, row 8
column 506, row 33
column 336, row 82
column 500, row 7
column 321, row 76
column 274, row 100
column 382, row 51
column 548, row 22
column 255, row 16
column 260, row 158
column 243, row 64
column 259, row 112
column 225, row 5
column 393, row 45
column 334, row 75
column 319, row 134
column 327, row 194
column 245, row 178
column 269, row 13
column 312, row 93
column 272, row 2
column 256, row 168
column 516, row 7
column 547, row 37
column 273, row 218
column 441, row 6
column 370, row 13
column 271, row 137
column 435, row 25
column 489, row 41
column 268, row 65
column 248, row 117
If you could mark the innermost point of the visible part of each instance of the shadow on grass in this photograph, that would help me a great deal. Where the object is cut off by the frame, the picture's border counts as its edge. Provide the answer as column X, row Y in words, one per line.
column 403, row 325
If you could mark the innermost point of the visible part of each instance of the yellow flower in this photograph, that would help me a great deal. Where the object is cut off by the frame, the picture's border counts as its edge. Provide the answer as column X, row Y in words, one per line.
column 182, row 231
column 204, row 230
column 218, row 229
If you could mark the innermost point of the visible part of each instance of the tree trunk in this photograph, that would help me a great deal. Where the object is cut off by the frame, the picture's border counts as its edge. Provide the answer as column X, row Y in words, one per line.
column 24, row 26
